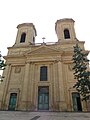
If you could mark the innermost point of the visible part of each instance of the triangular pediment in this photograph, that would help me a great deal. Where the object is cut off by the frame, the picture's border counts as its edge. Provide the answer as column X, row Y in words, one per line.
column 43, row 50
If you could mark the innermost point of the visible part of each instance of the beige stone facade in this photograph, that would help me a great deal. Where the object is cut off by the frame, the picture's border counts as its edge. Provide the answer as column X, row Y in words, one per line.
column 22, row 88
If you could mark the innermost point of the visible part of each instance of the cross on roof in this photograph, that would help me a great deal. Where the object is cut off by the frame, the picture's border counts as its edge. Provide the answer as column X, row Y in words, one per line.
column 43, row 39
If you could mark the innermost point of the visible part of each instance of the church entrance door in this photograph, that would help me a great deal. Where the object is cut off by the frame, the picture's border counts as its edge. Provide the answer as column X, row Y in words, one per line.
column 43, row 98
column 76, row 102
column 12, row 101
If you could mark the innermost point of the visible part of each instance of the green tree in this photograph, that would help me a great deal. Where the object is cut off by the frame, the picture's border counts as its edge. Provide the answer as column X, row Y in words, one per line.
column 81, row 73
column 2, row 66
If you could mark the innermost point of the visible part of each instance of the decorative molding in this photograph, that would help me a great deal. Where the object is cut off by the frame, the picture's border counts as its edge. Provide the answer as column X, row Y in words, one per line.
column 70, row 67
column 17, row 69
column 14, row 90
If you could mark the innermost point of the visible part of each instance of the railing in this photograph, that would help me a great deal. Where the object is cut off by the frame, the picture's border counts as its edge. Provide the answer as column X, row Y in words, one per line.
column 47, row 43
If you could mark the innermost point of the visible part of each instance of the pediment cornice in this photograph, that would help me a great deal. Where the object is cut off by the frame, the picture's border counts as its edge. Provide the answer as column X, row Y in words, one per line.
column 43, row 50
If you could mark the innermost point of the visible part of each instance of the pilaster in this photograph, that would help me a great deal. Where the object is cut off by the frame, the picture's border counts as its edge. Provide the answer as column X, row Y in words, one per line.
column 6, row 85
column 51, row 96
column 62, row 103
column 56, row 87
column 25, row 88
column 32, row 86
column 35, row 89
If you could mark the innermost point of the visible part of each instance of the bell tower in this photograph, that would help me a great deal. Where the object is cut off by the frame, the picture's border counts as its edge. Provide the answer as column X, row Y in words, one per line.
column 26, row 34
column 65, row 29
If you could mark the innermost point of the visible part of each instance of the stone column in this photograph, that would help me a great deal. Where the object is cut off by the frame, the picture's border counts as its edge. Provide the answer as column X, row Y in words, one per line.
column 24, row 98
column 62, row 103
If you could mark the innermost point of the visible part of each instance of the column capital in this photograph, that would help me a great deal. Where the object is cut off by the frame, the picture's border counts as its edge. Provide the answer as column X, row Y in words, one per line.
column 27, row 62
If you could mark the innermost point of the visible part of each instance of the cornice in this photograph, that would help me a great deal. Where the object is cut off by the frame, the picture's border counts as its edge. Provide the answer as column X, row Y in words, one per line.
column 28, row 25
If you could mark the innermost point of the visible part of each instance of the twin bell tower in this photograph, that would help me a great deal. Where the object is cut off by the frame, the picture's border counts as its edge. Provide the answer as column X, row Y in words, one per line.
column 27, row 32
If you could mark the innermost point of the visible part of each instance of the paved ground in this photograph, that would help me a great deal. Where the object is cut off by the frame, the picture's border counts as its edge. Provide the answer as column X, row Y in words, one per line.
column 17, row 115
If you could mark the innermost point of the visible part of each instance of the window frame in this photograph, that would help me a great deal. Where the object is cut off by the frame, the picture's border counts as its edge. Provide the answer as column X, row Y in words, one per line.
column 23, row 37
column 66, row 33
column 43, row 73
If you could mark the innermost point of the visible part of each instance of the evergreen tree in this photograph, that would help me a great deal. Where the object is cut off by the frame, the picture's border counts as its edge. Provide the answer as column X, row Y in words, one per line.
column 2, row 66
column 81, row 73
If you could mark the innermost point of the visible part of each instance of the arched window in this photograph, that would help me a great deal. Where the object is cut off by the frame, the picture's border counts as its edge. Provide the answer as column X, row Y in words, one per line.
column 66, row 34
column 23, row 36
column 43, row 73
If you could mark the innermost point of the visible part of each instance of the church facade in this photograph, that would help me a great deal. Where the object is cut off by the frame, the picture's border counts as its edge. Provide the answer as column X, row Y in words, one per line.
column 39, row 77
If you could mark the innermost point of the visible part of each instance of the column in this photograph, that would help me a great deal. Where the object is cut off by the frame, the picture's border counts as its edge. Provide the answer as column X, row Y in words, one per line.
column 62, row 103
column 24, row 99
